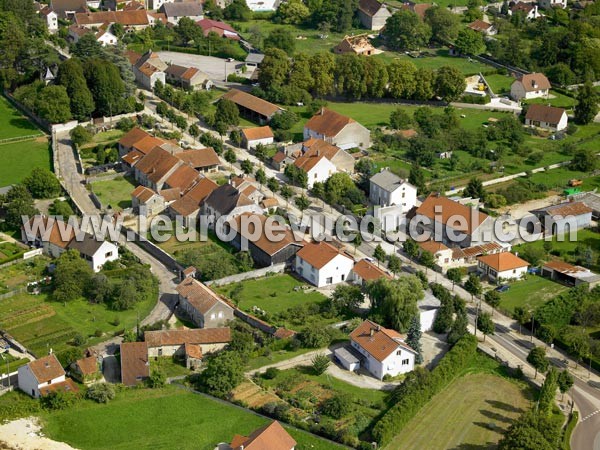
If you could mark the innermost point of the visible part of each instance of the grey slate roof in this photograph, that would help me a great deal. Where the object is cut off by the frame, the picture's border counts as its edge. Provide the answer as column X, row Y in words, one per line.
column 88, row 245
column 387, row 180
column 255, row 58
column 226, row 198
column 182, row 9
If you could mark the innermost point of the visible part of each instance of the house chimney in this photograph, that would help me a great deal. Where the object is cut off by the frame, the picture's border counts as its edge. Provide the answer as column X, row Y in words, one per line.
column 371, row 332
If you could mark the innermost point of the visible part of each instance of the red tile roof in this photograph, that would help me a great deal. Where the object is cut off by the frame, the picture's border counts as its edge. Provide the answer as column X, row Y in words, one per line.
column 201, row 297
column 191, row 201
column 432, row 246
column 318, row 254
column 49, row 230
column 251, row 102
column 280, row 233
column 534, row 81
column 87, row 366
column 544, row 113
column 202, row 158
column 134, row 362
column 437, row 206
column 503, row 261
column 568, row 209
column 183, row 177
column 46, row 368
column 379, row 342
column 188, row 336
column 253, row 134
column 269, row 437
column 369, row 271
column 134, row 135
column 143, row 194
column 65, row 386
column 328, row 123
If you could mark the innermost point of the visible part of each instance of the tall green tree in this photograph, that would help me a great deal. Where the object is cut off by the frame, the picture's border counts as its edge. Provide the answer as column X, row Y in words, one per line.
column 413, row 338
column 87, row 47
column 322, row 67
column 42, row 183
column 105, row 83
column 222, row 374
column 444, row 24
column 449, row 83
column 402, row 78
column 227, row 112
column 237, row 10
column 469, row 42
column 473, row 286
column 274, row 69
column 405, row 30
column 587, row 104
column 537, row 358
column 485, row 324
column 379, row 254
column 53, row 104
column 282, row 39
column 300, row 73
column 72, row 276
column 395, row 301
column 70, row 75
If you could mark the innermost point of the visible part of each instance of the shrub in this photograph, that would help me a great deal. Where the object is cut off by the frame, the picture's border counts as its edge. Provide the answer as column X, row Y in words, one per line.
column 338, row 406
column 98, row 333
column 320, row 363
column 157, row 379
column 101, row 392
column 58, row 400
column 271, row 373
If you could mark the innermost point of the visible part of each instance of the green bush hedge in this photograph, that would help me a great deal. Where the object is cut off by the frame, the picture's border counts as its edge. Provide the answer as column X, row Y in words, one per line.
column 420, row 386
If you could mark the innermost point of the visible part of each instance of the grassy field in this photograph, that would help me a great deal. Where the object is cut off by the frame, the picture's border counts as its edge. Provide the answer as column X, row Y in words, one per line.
column 13, row 124
column 500, row 84
column 116, row 193
column 529, row 293
column 558, row 100
column 181, row 419
column 9, row 250
column 566, row 248
column 436, row 59
column 41, row 324
column 18, row 158
column 472, row 413
column 273, row 294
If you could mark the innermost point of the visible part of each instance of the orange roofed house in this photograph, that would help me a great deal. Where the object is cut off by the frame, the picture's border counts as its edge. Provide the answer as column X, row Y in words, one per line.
column 531, row 85
column 252, row 107
column 365, row 271
column 202, row 305
column 502, row 266
column 460, row 224
column 322, row 264
column 269, row 437
column 379, row 350
column 337, row 129
column 251, row 137
column 43, row 376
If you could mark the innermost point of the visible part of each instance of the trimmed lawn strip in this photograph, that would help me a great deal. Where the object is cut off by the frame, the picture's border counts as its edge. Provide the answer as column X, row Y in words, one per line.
column 530, row 293
column 116, row 192
column 19, row 158
column 500, row 84
column 273, row 294
column 13, row 123
column 194, row 422
column 473, row 412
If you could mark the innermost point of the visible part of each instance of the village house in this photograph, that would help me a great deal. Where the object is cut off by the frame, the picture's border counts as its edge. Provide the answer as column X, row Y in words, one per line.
column 154, row 168
column 247, row 186
column 341, row 159
column 529, row 10
column 179, row 342
column 562, row 219
column 129, row 139
column 50, row 18
column 66, row 9
column 418, row 8
column 149, row 69
column 387, row 189
column 263, row 5
column 451, row 222
column 365, row 271
column 252, row 235
column 483, row 27
column 251, row 137
column 176, row 10
column 252, row 107
column 135, row 367
column 225, row 203
column 103, row 36
column 55, row 237
column 269, row 437
column 546, row 117
column 321, row 264
column 442, row 255
column 373, row 14
column 502, row 266
column 317, row 167
column 382, row 351
column 281, row 160
column 356, row 45
column 548, row 4
column 222, row 29
column 86, row 370
column 146, row 202
column 42, row 376
column 204, row 308
column 188, row 206
column 570, row 275
column 337, row 129
column 589, row 199
column 130, row 20
column 188, row 78
column 530, row 85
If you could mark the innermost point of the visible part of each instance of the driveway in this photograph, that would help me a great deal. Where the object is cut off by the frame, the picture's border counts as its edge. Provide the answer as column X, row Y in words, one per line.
column 214, row 67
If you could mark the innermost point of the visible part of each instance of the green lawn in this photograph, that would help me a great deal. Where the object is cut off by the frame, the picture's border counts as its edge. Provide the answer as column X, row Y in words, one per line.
column 273, row 294
column 472, row 413
column 170, row 366
column 565, row 249
column 500, row 84
column 163, row 418
column 13, row 124
column 530, row 293
column 18, row 275
column 13, row 363
column 558, row 100
column 40, row 324
column 116, row 193
column 437, row 59
column 18, row 158
column 10, row 250
column 275, row 357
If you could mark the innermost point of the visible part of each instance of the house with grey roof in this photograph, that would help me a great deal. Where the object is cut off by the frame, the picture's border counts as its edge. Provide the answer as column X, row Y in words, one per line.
column 202, row 305
column 95, row 252
column 176, row 10
column 225, row 203
column 373, row 14
column 388, row 189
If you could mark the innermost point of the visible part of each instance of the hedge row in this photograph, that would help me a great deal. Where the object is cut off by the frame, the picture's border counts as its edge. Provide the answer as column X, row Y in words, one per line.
column 420, row 386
